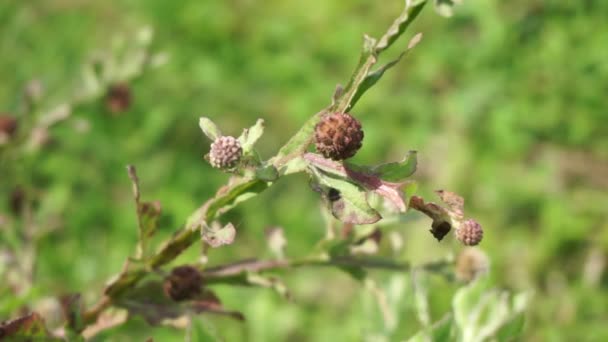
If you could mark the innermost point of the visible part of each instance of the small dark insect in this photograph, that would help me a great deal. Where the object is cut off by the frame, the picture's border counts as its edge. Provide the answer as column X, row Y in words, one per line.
column 333, row 195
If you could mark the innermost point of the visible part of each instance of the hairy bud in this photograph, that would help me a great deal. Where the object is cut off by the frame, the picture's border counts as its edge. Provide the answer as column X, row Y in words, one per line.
column 225, row 152
column 338, row 136
column 470, row 233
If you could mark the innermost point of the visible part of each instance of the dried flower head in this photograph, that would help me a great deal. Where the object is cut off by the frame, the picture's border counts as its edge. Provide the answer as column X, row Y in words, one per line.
column 471, row 263
column 225, row 152
column 183, row 283
column 338, row 136
column 118, row 98
column 469, row 233
column 8, row 127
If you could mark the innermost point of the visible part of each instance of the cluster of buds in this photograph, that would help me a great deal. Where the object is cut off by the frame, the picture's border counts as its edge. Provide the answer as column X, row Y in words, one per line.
column 469, row 233
column 338, row 136
column 225, row 152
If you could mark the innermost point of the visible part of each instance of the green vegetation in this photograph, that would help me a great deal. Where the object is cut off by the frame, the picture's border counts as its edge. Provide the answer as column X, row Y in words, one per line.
column 505, row 103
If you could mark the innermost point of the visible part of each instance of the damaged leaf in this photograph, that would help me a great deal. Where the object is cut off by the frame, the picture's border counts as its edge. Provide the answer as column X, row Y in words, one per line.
column 363, row 177
column 217, row 236
column 346, row 201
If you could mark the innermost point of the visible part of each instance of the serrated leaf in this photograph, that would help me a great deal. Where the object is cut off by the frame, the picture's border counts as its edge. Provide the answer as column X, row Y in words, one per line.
column 397, row 171
column 250, row 136
column 209, row 128
column 350, row 205
column 217, row 236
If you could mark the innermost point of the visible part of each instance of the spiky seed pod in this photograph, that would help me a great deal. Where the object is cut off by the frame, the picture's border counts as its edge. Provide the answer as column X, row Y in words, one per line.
column 184, row 282
column 225, row 152
column 338, row 136
column 470, row 233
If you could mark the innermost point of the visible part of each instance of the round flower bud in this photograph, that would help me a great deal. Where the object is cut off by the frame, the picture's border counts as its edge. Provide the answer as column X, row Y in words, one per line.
column 469, row 233
column 183, row 283
column 338, row 136
column 225, row 152
column 470, row 263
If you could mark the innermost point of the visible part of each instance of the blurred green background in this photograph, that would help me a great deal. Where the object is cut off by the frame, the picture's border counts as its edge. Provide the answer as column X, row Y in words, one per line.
column 506, row 103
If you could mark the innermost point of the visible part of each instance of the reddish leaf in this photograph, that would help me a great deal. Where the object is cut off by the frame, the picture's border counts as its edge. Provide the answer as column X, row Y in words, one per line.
column 25, row 328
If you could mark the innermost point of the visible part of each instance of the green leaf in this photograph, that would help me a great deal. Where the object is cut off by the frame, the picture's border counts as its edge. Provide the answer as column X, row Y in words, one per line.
column 209, row 128
column 225, row 200
column 298, row 143
column 267, row 173
column 512, row 329
column 374, row 76
column 350, row 205
column 250, row 136
column 407, row 16
column 397, row 171
column 440, row 331
column 148, row 214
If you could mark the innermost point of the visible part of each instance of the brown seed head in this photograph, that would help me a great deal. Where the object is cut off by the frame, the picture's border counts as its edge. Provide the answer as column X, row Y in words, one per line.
column 338, row 136
column 8, row 126
column 118, row 98
column 225, row 152
column 183, row 283
column 470, row 233
column 470, row 263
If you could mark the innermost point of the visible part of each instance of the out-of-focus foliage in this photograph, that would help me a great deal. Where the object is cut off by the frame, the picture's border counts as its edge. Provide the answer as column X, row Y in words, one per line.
column 505, row 103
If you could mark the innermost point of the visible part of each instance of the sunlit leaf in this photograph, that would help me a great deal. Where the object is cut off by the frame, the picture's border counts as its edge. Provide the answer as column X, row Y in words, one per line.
column 397, row 171
column 209, row 128
column 250, row 136
column 350, row 203
column 148, row 214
